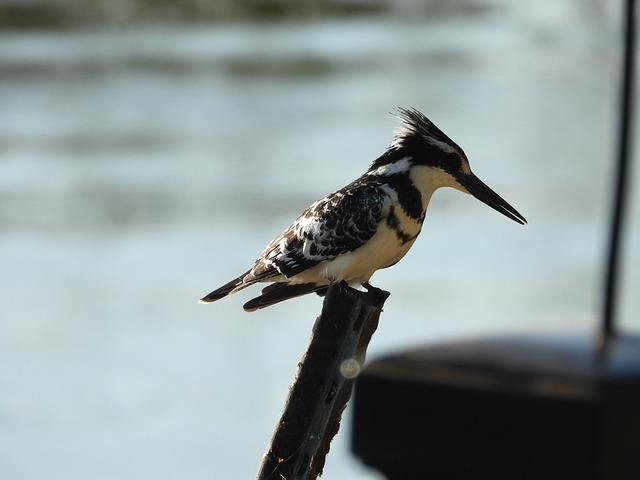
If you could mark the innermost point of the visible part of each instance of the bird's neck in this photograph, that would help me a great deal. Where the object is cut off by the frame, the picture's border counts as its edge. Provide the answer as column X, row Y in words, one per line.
column 427, row 180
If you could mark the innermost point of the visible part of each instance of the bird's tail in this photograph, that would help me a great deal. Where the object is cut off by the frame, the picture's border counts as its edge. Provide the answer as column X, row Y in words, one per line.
column 227, row 289
column 279, row 292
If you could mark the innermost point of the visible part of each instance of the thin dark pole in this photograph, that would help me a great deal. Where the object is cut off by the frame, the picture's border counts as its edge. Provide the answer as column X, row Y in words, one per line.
column 626, row 100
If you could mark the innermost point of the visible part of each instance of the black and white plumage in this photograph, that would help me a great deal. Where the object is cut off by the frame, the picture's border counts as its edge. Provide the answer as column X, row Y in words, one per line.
column 369, row 224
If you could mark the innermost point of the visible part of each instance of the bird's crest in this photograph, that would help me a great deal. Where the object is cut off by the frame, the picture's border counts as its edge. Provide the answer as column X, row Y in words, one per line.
column 416, row 127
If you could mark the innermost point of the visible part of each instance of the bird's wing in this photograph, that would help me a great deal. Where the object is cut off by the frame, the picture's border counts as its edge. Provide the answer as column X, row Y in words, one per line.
column 339, row 223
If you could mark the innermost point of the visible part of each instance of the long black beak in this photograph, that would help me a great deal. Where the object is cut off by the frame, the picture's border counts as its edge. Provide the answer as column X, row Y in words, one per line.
column 482, row 192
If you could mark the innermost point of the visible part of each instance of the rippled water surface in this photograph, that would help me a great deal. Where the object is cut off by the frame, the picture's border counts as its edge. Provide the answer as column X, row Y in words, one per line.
column 141, row 166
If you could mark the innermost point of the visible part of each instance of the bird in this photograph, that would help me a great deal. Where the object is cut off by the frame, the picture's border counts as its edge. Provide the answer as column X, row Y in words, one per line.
column 369, row 224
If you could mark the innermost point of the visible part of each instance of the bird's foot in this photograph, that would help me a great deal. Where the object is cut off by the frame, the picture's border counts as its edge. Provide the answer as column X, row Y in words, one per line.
column 343, row 286
column 380, row 295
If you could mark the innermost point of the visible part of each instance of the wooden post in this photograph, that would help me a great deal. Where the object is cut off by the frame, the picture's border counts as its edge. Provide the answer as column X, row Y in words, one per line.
column 322, row 386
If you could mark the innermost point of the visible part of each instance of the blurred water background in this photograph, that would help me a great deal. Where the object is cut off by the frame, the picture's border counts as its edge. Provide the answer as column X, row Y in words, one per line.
column 149, row 150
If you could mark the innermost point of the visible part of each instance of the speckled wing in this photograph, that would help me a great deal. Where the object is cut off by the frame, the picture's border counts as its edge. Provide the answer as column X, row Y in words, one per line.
column 339, row 223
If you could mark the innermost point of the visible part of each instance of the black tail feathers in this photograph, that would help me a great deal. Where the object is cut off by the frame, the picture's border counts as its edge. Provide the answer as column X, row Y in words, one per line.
column 228, row 288
column 279, row 292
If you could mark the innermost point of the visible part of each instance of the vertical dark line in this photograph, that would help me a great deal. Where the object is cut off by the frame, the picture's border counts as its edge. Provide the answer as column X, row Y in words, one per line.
column 626, row 100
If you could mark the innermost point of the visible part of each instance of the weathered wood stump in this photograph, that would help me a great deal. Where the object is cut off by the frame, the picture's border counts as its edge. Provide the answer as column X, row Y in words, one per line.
column 322, row 386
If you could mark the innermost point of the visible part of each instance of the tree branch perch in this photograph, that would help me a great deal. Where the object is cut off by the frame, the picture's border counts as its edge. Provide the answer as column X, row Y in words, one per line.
column 322, row 386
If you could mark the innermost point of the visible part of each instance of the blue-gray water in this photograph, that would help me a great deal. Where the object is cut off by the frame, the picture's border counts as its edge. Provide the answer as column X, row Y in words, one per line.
column 143, row 166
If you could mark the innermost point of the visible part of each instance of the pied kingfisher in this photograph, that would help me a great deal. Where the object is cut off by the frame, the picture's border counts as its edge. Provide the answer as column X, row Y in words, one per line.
column 369, row 224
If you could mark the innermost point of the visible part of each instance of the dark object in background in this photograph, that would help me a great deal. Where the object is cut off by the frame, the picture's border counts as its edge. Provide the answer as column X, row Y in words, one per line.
column 503, row 408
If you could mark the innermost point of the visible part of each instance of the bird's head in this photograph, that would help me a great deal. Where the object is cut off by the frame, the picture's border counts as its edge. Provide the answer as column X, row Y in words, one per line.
column 426, row 152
